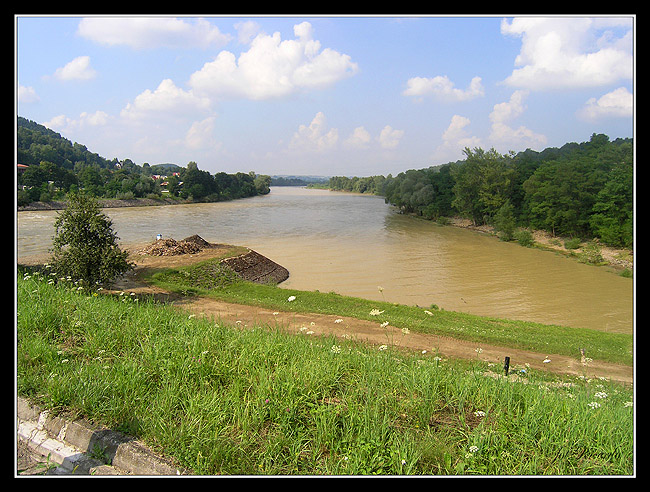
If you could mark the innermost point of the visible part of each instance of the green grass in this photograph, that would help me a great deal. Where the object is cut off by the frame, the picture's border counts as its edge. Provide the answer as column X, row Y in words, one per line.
column 207, row 280
column 258, row 401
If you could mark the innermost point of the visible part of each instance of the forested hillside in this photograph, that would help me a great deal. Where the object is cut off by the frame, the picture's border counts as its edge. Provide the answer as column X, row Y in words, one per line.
column 579, row 190
column 57, row 166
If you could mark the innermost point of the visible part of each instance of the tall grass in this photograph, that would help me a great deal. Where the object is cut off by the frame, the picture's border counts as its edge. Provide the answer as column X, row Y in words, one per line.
column 225, row 400
column 204, row 279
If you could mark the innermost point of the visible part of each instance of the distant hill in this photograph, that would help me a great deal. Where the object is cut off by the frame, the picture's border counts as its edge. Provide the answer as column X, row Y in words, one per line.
column 36, row 143
column 166, row 168
column 297, row 180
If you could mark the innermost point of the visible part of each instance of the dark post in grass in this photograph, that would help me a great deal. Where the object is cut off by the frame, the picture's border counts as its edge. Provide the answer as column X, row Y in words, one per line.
column 506, row 365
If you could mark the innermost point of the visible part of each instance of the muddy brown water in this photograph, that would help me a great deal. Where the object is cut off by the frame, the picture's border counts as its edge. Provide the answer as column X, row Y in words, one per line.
column 355, row 244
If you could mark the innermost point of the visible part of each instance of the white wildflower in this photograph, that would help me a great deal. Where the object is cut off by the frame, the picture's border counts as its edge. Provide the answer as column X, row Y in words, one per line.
column 593, row 404
column 383, row 347
column 375, row 312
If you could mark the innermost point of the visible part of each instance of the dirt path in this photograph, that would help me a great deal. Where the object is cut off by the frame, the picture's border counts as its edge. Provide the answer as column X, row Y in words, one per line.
column 311, row 324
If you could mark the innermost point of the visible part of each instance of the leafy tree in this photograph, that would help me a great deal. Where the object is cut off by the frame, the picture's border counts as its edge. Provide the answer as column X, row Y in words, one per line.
column 263, row 184
column 504, row 221
column 561, row 194
column 196, row 183
column 84, row 244
column 482, row 183
column 612, row 218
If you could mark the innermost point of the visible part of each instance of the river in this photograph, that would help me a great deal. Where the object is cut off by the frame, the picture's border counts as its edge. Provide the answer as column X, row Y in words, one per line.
column 353, row 244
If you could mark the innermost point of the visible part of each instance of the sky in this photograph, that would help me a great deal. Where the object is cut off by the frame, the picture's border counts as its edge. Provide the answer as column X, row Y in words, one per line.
column 324, row 95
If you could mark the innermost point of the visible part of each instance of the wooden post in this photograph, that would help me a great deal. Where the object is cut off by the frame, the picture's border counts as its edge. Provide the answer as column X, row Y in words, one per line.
column 506, row 365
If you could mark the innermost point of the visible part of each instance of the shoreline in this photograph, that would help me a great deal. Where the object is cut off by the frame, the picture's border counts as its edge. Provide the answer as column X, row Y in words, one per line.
column 619, row 259
column 105, row 203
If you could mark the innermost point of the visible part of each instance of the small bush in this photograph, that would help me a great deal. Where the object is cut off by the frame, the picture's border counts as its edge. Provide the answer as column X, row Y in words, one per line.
column 524, row 238
column 573, row 243
column 85, row 246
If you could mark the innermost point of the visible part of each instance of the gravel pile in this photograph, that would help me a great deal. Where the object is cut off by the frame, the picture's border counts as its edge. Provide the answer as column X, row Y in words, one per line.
column 171, row 247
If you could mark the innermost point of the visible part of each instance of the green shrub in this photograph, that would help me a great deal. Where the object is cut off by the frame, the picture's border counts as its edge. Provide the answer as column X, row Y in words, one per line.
column 85, row 246
column 524, row 237
column 573, row 243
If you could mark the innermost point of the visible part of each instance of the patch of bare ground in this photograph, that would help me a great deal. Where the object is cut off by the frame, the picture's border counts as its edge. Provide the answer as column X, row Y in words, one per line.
column 313, row 324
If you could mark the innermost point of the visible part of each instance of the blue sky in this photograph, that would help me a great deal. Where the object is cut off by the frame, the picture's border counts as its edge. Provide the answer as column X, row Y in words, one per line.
column 329, row 95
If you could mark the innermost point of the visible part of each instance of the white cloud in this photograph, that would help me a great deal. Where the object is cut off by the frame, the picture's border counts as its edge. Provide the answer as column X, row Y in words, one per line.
column 152, row 32
column 389, row 138
column 167, row 100
column 246, row 31
column 506, row 137
column 27, row 94
column 85, row 119
column 570, row 52
column 59, row 122
column 505, row 111
column 360, row 138
column 201, row 135
column 315, row 136
column 615, row 104
column 77, row 69
column 272, row 68
column 443, row 88
column 98, row 118
column 454, row 139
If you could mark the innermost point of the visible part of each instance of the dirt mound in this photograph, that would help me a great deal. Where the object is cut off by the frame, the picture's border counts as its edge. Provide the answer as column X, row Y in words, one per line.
column 250, row 266
column 198, row 240
column 255, row 267
column 171, row 247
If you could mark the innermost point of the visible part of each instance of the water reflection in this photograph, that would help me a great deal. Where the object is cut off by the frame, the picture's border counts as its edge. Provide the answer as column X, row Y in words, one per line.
column 352, row 244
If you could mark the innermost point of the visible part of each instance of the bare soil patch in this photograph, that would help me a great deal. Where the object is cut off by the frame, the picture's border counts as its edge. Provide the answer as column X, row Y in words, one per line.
column 313, row 324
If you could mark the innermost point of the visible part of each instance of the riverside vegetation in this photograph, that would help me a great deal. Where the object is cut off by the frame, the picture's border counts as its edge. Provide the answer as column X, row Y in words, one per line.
column 232, row 401
column 223, row 400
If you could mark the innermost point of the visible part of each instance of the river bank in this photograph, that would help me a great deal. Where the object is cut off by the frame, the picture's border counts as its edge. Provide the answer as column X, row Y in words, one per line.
column 308, row 396
column 330, row 315
column 618, row 258
column 105, row 203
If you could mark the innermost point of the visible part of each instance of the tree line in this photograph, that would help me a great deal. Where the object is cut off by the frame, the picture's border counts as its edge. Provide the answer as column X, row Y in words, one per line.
column 57, row 167
column 581, row 190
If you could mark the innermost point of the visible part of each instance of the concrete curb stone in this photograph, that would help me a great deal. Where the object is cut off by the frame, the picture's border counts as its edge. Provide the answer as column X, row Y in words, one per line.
column 68, row 443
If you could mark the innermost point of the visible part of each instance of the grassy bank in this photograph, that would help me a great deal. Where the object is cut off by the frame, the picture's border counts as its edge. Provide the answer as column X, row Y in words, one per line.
column 209, row 279
column 228, row 401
